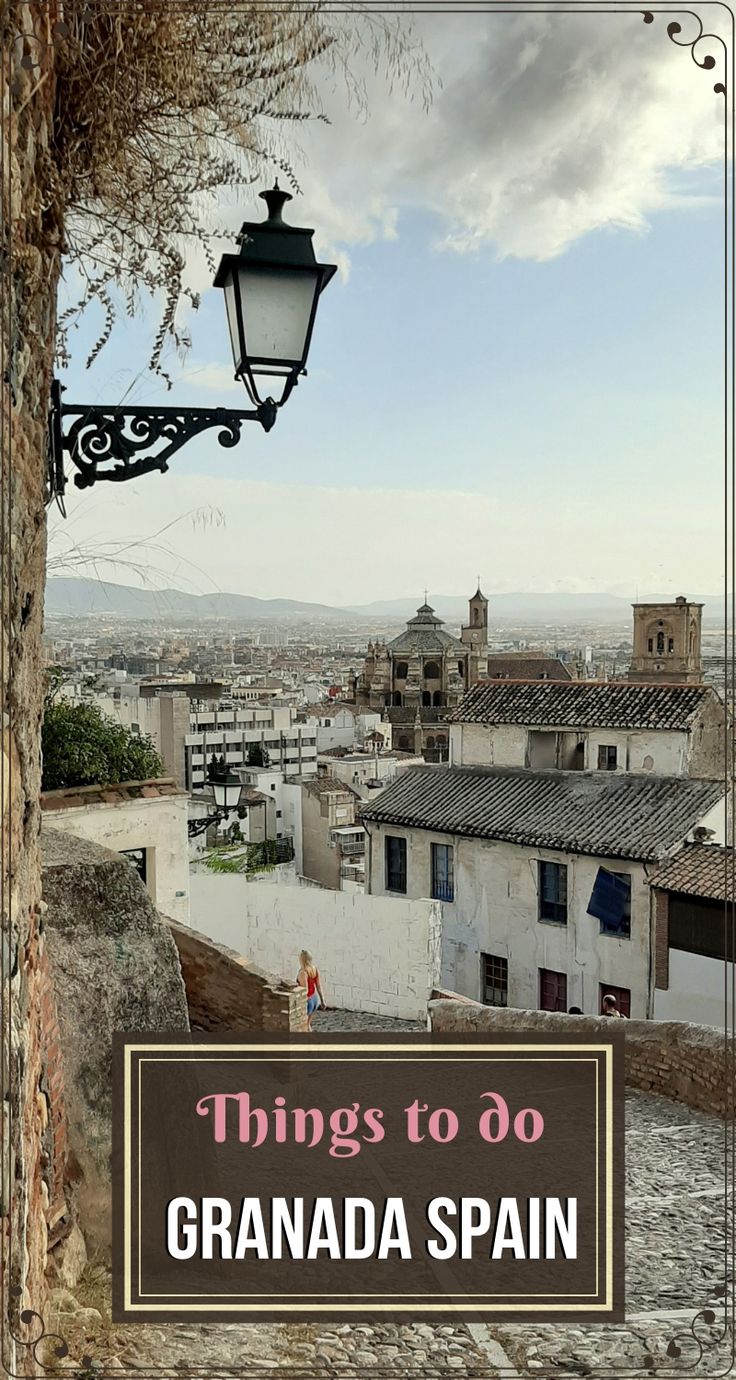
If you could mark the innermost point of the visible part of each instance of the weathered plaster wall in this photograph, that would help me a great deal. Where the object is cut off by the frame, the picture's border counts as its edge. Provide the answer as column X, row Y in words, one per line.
column 30, row 268
column 156, row 823
column 496, row 911
column 661, row 753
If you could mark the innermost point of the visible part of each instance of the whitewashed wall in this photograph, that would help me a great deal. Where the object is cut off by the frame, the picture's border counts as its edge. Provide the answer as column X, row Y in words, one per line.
column 661, row 753
column 157, row 824
column 697, row 990
column 495, row 911
column 375, row 955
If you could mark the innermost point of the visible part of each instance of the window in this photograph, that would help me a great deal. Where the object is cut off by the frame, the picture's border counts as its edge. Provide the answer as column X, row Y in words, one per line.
column 494, row 977
column 273, row 788
column 278, row 814
column 622, row 995
column 397, row 698
column 438, row 699
column 607, row 757
column 395, row 864
column 552, row 990
column 670, row 644
column 426, row 698
column 660, row 643
column 610, row 902
column 461, row 668
column 402, row 670
column 431, row 670
column 137, row 857
column 443, row 880
column 650, row 644
column 553, row 893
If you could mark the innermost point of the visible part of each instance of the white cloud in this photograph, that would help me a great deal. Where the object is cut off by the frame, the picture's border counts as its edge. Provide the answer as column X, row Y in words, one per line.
column 546, row 127
column 343, row 546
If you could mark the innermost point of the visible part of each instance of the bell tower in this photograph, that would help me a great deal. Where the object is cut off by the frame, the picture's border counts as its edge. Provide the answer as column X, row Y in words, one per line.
column 667, row 643
column 475, row 636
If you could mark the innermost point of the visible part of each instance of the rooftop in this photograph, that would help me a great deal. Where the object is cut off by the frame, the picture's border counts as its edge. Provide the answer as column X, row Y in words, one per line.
column 424, row 633
column 701, row 869
column 582, row 703
column 75, row 797
column 574, row 812
column 526, row 666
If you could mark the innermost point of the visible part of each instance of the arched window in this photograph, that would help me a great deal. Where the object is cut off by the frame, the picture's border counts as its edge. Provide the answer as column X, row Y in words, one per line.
column 650, row 644
column 461, row 668
column 397, row 698
column 660, row 643
column 426, row 697
column 430, row 744
column 442, row 748
column 476, row 616
column 404, row 743
column 387, row 699
column 693, row 630
column 431, row 670
column 438, row 698
column 402, row 670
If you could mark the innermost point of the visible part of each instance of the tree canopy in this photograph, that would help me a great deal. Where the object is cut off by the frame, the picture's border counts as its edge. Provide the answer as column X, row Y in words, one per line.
column 160, row 108
column 83, row 747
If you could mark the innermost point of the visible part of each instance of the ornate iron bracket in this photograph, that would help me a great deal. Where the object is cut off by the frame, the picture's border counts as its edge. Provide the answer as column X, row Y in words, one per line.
column 106, row 442
column 195, row 827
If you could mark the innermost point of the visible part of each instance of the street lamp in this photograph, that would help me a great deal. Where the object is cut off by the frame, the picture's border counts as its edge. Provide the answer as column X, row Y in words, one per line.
column 272, row 287
column 227, row 791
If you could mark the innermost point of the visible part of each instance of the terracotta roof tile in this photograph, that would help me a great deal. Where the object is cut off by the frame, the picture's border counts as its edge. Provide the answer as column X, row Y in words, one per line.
column 701, row 869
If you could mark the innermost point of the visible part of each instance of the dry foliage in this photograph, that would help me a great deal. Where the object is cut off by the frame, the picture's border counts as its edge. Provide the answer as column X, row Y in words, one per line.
column 163, row 104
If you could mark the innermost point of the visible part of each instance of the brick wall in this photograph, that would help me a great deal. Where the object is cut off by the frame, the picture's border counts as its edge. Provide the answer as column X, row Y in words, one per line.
column 29, row 253
column 661, row 904
column 226, row 992
column 688, row 1063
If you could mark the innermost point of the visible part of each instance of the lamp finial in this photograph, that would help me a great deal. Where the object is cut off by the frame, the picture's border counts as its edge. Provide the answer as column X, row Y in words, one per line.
column 275, row 200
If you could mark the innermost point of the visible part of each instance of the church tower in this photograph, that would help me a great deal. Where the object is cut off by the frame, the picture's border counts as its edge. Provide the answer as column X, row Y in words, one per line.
column 667, row 643
column 475, row 636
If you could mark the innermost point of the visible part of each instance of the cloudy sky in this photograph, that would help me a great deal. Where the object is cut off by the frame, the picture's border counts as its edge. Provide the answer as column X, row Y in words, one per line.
column 518, row 370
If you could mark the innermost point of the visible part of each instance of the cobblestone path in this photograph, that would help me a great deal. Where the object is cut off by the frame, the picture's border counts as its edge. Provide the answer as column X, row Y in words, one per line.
column 675, row 1264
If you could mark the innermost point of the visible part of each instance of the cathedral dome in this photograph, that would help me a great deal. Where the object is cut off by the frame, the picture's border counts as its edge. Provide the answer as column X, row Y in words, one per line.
column 424, row 633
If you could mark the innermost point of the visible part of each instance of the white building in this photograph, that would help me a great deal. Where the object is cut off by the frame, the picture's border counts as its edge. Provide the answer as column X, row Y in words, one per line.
column 692, row 919
column 144, row 820
column 543, row 871
column 231, row 732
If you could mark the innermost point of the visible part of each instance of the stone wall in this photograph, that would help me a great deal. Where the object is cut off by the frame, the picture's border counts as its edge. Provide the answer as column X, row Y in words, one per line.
column 226, row 992
column 114, row 967
column 688, row 1063
column 30, row 269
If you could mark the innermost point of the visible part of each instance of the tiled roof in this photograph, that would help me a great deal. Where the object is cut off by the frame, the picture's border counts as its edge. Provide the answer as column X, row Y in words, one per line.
column 520, row 667
column 74, row 797
column 326, row 785
column 424, row 633
column 582, row 704
column 701, row 869
column 576, row 812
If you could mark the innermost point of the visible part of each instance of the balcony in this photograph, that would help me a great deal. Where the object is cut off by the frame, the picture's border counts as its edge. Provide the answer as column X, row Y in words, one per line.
column 352, row 847
column 443, row 891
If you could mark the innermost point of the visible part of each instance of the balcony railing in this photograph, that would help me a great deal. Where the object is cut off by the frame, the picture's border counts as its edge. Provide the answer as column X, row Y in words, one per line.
column 350, row 847
column 443, row 891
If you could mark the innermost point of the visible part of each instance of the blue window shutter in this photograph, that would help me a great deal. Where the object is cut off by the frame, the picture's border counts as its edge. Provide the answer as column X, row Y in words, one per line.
column 609, row 901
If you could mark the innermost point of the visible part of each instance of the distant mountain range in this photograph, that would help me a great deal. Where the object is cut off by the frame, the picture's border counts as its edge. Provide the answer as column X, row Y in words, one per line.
column 81, row 597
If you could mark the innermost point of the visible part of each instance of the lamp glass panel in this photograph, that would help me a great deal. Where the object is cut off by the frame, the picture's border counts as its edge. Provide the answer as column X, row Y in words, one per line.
column 277, row 309
column 232, row 319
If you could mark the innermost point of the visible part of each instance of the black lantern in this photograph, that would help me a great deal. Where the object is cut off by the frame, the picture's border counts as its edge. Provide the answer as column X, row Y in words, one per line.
column 272, row 287
column 227, row 793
